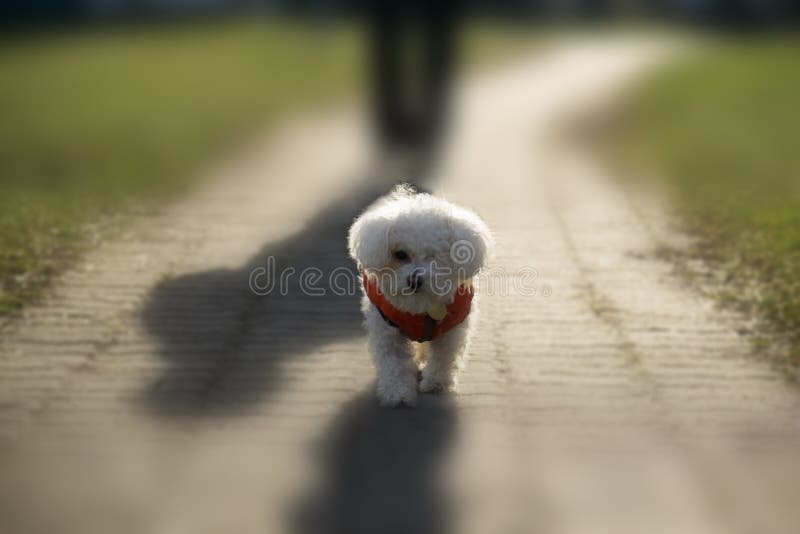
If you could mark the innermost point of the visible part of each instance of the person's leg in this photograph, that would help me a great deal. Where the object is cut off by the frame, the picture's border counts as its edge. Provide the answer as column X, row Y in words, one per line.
column 440, row 34
column 386, row 39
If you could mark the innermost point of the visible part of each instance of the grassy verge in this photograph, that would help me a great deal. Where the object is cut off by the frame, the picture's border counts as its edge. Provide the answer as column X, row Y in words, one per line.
column 97, row 119
column 721, row 128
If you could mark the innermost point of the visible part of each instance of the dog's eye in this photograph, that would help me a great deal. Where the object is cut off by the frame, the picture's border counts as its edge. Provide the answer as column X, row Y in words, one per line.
column 401, row 255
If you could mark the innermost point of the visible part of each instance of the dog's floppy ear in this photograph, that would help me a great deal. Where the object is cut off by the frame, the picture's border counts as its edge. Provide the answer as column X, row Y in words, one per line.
column 473, row 246
column 368, row 239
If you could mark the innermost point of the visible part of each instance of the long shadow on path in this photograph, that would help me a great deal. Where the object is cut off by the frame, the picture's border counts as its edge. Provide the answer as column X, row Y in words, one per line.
column 226, row 344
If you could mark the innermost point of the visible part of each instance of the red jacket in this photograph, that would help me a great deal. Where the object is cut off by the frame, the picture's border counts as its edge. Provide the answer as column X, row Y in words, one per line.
column 421, row 326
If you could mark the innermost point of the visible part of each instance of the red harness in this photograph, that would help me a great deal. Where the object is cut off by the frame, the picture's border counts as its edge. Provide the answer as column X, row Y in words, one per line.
column 421, row 326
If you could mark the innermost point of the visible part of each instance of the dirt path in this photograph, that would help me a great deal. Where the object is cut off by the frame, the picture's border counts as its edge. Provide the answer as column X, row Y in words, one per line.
column 153, row 391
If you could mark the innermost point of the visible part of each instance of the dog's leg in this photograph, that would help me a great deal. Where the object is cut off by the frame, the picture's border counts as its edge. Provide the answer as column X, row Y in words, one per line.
column 394, row 360
column 445, row 357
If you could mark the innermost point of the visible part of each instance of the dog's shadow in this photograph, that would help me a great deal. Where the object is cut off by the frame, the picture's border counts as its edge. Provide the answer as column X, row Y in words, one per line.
column 225, row 344
column 380, row 471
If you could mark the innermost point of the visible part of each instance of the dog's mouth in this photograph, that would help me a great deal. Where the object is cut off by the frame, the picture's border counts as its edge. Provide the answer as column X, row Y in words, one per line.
column 410, row 291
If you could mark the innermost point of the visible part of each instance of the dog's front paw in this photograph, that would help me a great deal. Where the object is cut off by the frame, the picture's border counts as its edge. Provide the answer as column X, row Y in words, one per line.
column 393, row 395
column 437, row 383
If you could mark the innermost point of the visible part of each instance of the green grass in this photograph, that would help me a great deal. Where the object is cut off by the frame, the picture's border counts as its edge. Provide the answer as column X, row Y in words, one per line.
column 722, row 128
column 95, row 120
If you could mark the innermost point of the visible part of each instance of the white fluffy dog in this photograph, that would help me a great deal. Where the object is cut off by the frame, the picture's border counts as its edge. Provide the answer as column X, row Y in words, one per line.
column 418, row 255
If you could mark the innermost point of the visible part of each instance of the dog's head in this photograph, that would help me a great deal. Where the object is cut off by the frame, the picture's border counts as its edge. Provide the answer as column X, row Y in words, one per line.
column 419, row 248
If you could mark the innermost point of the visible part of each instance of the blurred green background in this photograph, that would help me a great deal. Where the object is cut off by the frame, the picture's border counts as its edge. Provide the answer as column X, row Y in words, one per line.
column 98, row 119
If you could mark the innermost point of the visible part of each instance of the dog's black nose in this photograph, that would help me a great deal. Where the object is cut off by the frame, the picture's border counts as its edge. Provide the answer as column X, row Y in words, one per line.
column 415, row 281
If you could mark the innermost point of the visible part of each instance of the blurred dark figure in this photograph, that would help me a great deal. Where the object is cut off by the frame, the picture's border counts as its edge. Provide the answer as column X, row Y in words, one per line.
column 413, row 46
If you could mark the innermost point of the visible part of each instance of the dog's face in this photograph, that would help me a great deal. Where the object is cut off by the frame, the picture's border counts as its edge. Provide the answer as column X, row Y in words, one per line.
column 419, row 248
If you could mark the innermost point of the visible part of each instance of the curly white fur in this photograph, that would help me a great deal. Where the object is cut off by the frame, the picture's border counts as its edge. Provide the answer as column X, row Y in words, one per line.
column 419, row 249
